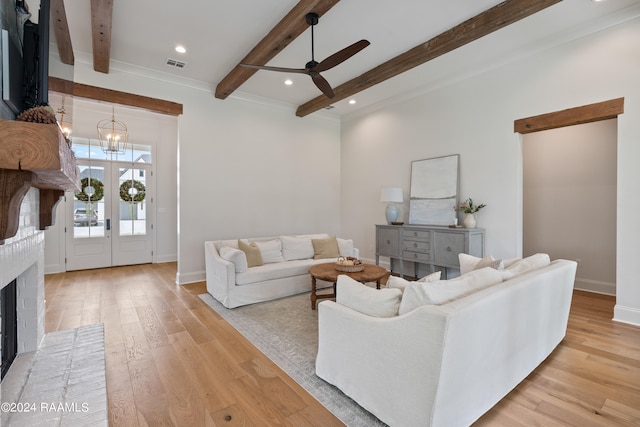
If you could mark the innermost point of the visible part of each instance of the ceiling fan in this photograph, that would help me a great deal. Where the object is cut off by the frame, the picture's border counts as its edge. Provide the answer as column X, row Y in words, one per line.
column 314, row 68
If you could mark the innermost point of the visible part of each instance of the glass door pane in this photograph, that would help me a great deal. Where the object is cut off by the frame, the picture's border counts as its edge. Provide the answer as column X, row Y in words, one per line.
column 89, row 203
column 133, row 201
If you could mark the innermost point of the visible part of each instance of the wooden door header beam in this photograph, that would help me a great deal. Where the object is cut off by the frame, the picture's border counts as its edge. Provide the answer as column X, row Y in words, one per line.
column 485, row 23
column 286, row 31
column 101, row 20
column 573, row 116
column 115, row 97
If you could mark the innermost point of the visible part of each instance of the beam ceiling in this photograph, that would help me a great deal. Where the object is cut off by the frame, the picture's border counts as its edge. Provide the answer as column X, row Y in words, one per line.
column 101, row 16
column 486, row 22
column 287, row 30
column 61, row 30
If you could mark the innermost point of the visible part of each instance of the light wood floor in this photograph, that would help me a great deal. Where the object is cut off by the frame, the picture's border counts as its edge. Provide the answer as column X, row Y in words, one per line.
column 173, row 361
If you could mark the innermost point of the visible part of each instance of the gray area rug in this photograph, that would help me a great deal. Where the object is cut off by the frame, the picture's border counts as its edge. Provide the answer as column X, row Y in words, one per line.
column 286, row 331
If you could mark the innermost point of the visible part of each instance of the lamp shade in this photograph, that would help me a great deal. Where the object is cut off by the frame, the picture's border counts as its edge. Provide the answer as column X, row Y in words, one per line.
column 391, row 195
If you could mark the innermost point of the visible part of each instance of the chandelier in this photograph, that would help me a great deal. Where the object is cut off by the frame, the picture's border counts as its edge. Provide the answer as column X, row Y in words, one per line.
column 113, row 135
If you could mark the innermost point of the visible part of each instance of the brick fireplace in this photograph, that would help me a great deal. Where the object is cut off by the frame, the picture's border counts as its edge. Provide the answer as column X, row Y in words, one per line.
column 22, row 260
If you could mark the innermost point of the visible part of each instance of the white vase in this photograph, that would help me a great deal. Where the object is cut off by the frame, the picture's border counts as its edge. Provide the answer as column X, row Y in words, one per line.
column 469, row 221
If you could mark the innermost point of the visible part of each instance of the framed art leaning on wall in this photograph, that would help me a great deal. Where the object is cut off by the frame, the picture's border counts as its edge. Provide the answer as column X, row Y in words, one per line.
column 434, row 190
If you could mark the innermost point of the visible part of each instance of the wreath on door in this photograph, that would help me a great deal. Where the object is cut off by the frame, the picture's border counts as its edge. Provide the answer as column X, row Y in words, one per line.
column 92, row 184
column 129, row 195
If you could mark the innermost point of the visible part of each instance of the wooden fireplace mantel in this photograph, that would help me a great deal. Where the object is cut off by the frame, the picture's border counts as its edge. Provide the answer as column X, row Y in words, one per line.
column 33, row 155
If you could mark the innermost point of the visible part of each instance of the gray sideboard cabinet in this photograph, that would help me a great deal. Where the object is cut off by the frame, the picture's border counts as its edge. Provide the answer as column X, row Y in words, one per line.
column 436, row 246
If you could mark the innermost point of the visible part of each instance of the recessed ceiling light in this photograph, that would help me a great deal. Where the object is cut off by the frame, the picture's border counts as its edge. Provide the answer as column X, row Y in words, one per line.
column 180, row 49
column 288, row 82
column 352, row 101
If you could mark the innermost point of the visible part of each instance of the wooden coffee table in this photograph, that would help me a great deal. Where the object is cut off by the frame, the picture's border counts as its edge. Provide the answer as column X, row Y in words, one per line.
column 328, row 273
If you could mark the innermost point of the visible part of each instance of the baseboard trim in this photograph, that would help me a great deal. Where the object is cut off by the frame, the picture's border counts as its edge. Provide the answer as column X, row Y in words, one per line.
column 165, row 258
column 626, row 315
column 597, row 286
column 186, row 278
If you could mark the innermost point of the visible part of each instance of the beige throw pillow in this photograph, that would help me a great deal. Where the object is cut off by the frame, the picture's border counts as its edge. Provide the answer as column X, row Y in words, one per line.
column 252, row 251
column 325, row 248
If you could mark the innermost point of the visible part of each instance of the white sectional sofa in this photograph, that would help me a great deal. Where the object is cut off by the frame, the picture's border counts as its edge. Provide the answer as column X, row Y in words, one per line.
column 285, row 269
column 446, row 364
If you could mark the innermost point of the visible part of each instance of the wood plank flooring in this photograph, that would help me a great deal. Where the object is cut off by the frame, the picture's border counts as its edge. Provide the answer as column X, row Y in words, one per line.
column 171, row 361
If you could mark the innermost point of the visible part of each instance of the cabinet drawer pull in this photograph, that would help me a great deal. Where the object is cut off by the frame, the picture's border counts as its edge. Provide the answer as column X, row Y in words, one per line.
column 415, row 245
column 415, row 255
column 388, row 242
column 415, row 234
column 448, row 248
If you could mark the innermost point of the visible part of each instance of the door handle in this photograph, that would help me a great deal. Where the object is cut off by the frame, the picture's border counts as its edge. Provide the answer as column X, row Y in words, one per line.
column 108, row 224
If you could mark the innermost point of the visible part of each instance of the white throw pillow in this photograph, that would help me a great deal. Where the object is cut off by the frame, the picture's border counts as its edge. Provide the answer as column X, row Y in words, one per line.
column 294, row 247
column 444, row 291
column 525, row 265
column 236, row 256
column 230, row 243
column 370, row 301
column 271, row 251
column 469, row 263
column 400, row 283
column 345, row 247
column 395, row 282
column 431, row 277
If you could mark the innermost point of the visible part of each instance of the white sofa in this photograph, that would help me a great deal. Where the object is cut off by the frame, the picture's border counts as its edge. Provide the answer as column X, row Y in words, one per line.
column 445, row 365
column 289, row 275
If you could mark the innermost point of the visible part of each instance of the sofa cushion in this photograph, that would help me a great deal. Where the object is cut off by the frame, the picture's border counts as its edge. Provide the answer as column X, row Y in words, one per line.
column 236, row 256
column 370, row 301
column 252, row 251
column 325, row 248
column 525, row 265
column 294, row 247
column 444, row 291
column 314, row 236
column 276, row 271
column 270, row 250
column 400, row 283
column 345, row 247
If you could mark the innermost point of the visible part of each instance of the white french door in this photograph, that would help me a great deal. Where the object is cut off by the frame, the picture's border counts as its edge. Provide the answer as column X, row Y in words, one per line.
column 110, row 221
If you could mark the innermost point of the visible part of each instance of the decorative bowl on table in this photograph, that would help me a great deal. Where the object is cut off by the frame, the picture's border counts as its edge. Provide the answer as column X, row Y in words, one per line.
column 349, row 264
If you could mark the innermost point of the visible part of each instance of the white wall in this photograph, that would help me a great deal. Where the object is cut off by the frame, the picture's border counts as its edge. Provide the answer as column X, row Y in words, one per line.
column 474, row 118
column 249, row 170
column 569, row 199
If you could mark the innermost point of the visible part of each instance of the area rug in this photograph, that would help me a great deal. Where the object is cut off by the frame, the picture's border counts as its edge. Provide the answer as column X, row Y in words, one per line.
column 286, row 331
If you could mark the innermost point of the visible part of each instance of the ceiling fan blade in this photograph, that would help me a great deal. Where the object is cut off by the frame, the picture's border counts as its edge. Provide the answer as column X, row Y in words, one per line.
column 341, row 56
column 280, row 69
column 323, row 85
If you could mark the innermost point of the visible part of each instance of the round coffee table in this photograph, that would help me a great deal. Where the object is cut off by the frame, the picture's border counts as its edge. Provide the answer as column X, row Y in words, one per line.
column 328, row 273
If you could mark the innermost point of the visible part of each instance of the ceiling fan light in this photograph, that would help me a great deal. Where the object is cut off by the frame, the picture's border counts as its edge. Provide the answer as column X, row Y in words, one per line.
column 181, row 49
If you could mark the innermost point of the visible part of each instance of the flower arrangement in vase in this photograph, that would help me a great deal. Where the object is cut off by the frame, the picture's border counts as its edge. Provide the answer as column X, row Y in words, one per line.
column 470, row 209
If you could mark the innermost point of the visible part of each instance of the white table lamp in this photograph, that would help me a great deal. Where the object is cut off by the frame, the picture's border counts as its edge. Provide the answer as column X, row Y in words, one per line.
column 391, row 195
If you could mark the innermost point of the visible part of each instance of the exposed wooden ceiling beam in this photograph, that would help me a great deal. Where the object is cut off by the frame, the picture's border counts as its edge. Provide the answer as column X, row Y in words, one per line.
column 286, row 31
column 490, row 20
column 61, row 30
column 101, row 15
column 80, row 90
